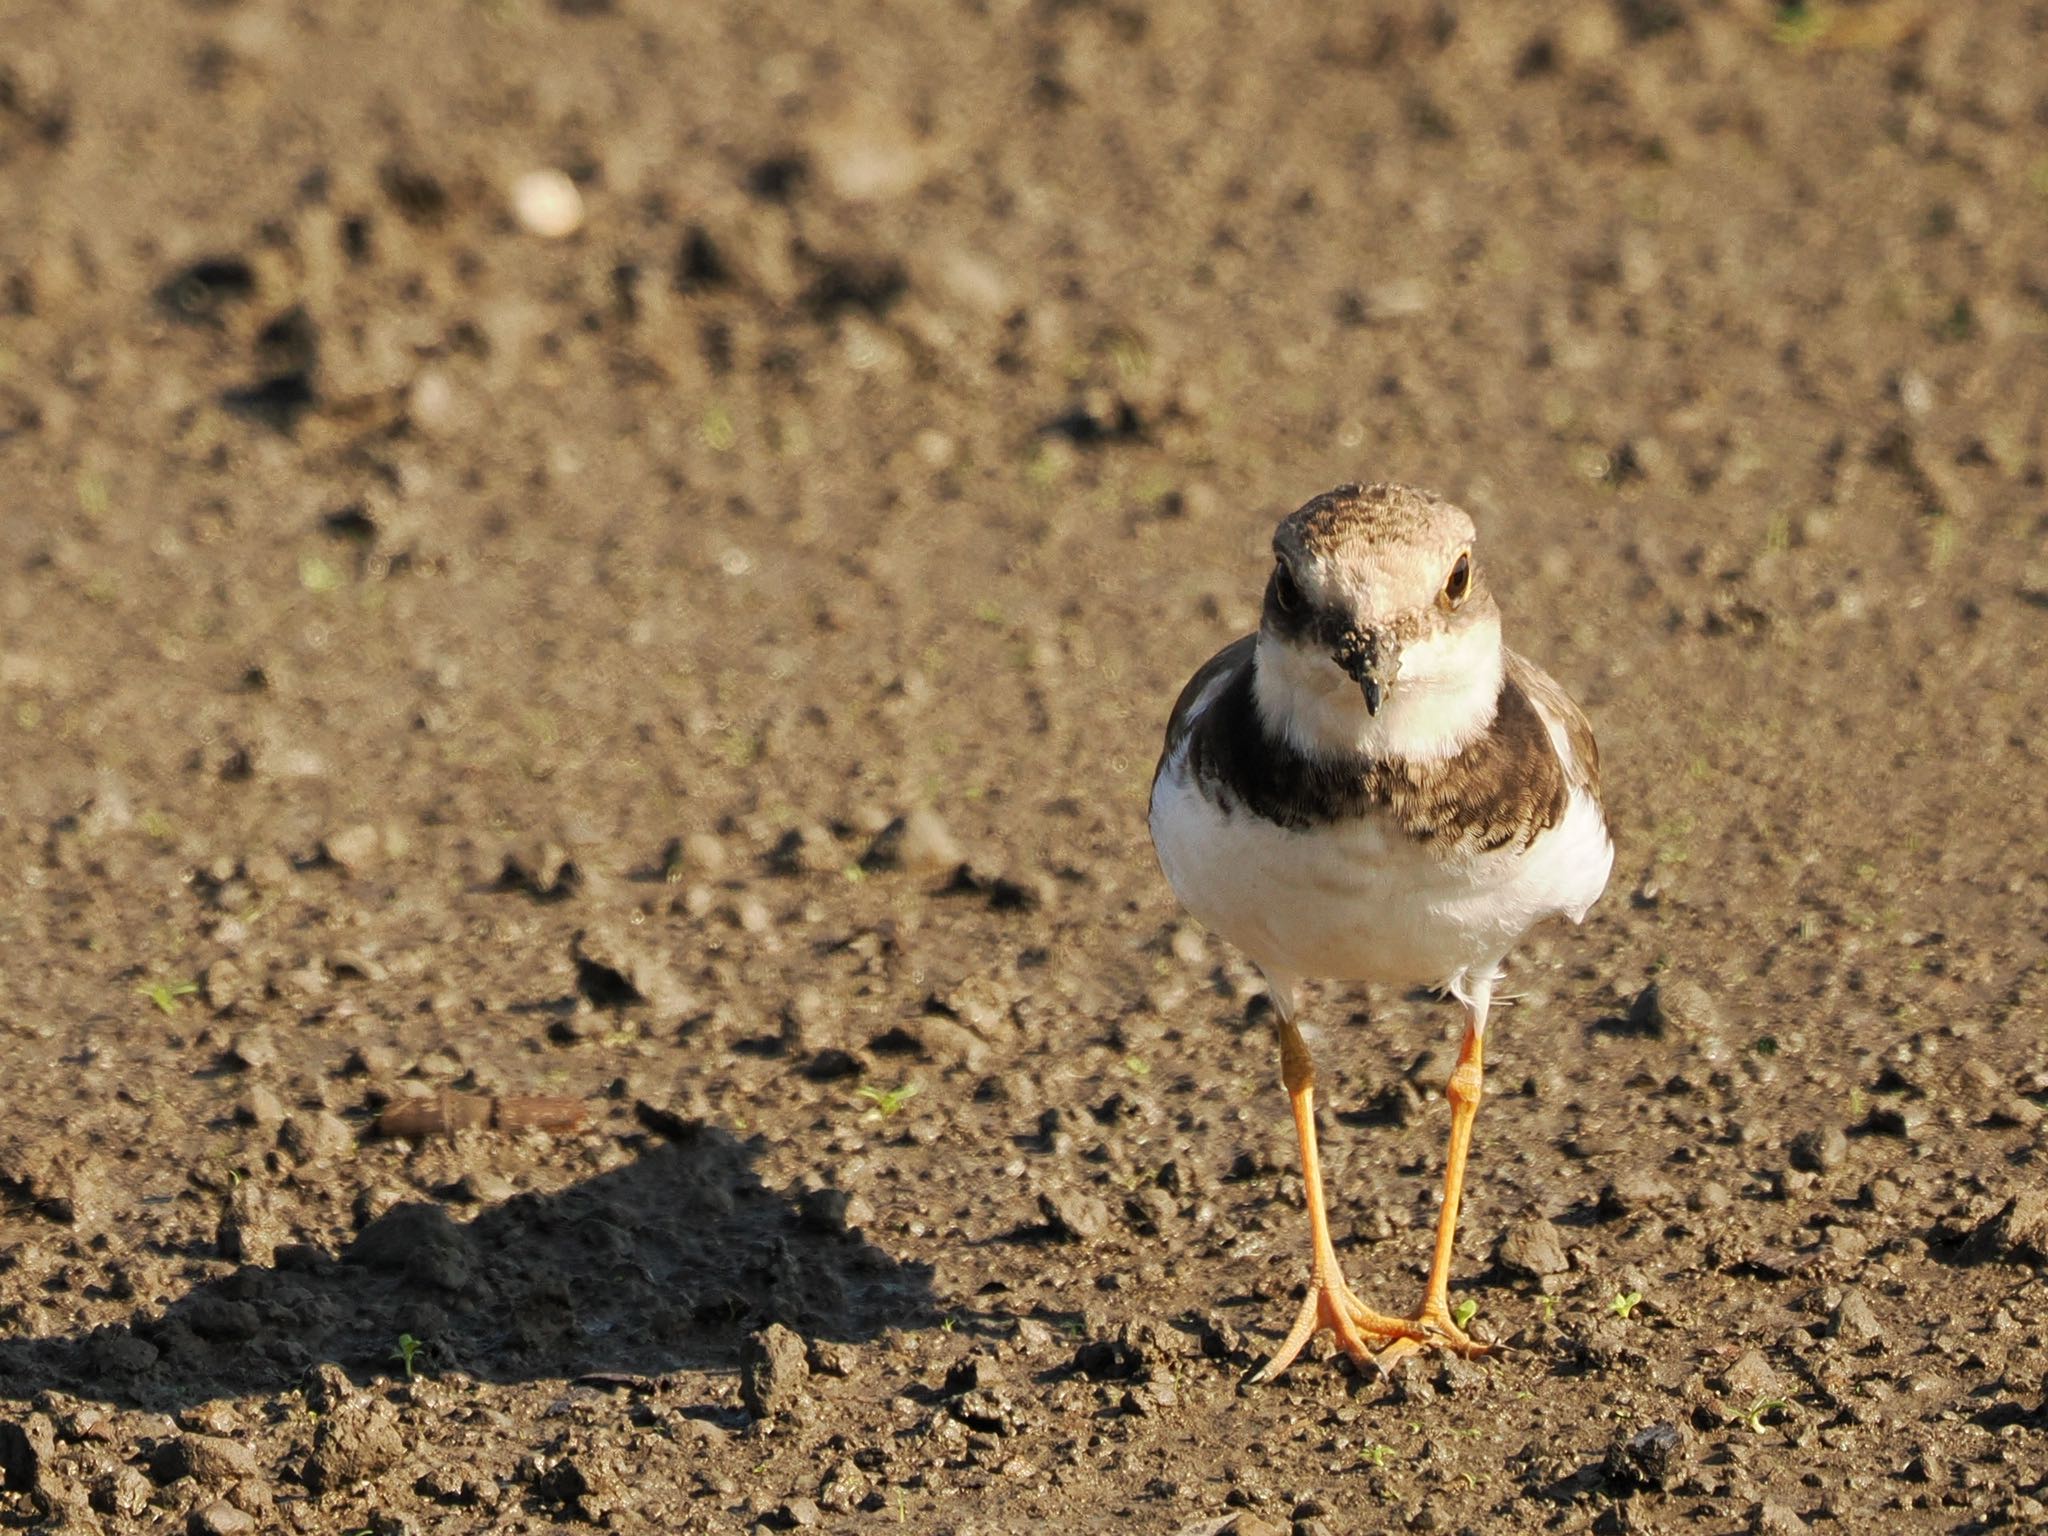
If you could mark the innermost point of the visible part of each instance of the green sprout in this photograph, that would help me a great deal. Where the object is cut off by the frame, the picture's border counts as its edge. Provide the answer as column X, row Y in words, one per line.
column 1549, row 1306
column 318, row 575
column 1762, row 1406
column 1464, row 1312
column 1799, row 24
column 1376, row 1453
column 1624, row 1303
column 407, row 1352
column 887, row 1101
column 165, row 994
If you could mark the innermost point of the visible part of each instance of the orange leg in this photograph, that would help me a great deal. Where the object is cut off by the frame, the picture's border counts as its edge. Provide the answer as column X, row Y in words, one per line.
column 1463, row 1092
column 1330, row 1303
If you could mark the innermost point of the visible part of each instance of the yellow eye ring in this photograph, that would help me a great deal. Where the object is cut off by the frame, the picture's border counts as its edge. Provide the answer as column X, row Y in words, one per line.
column 1458, row 585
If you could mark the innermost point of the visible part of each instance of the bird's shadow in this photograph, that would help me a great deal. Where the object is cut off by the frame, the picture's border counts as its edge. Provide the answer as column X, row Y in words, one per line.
column 663, row 1264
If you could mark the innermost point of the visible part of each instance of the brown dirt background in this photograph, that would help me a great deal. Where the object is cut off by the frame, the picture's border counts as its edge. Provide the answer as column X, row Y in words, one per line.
column 388, row 595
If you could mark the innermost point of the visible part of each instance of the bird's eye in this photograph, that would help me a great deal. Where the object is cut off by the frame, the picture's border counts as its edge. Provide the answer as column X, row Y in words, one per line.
column 1286, row 595
column 1459, row 582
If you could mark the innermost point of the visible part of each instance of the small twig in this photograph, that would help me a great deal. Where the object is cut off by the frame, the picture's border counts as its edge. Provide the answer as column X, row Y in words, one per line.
column 444, row 1114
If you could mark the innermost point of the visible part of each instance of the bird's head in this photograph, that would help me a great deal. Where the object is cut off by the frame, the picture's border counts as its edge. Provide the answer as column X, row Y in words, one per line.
column 1379, row 633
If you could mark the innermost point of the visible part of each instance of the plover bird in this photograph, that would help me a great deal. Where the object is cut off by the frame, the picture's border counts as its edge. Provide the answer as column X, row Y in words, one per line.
column 1374, row 788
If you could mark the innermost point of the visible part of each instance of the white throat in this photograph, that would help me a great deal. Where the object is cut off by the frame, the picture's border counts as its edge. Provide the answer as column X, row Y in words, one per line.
column 1445, row 695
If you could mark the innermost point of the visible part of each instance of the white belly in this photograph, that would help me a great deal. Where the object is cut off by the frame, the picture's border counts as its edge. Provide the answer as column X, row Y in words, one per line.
column 1363, row 900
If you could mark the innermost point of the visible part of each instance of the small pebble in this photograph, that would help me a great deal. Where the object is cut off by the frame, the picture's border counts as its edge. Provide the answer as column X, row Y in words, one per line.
column 220, row 1518
column 1771, row 1518
column 353, row 849
column 919, row 841
column 1674, row 1007
column 253, row 1049
column 1820, row 1150
column 1074, row 1214
column 547, row 204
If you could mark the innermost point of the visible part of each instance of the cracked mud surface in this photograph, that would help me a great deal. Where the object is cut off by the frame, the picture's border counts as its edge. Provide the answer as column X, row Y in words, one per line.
column 708, row 669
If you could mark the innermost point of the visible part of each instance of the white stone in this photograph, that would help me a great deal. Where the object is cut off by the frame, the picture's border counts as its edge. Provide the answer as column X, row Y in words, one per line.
column 547, row 204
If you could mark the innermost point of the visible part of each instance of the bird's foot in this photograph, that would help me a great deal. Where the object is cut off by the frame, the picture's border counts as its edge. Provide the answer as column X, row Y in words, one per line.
column 1360, row 1332
column 1432, row 1328
column 1369, row 1337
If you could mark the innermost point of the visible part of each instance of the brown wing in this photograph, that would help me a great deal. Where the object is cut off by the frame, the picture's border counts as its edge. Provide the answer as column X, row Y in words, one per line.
column 1234, row 655
column 1582, row 752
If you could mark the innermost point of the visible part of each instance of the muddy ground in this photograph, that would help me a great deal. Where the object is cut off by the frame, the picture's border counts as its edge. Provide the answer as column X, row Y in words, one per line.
column 438, row 658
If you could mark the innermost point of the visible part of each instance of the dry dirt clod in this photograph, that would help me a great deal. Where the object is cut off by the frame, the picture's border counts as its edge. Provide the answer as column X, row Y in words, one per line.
column 918, row 841
column 829, row 1358
column 1772, row 1518
column 316, row 1136
column 250, row 1228
column 1749, row 1377
column 419, row 1241
column 209, row 1460
column 353, row 849
column 54, row 1180
column 1656, row 1458
column 797, row 1514
column 543, row 869
column 699, row 853
column 1634, row 1190
column 253, row 1049
column 220, row 1518
column 804, row 850
column 1674, row 1007
column 1906, row 1120
column 614, row 971
column 260, row 1107
column 2018, row 1234
column 326, row 1387
column 1532, row 1247
column 125, row 1492
column 222, row 985
column 1820, row 1150
column 1855, row 1321
column 352, row 1444
column 26, row 1448
column 773, row 1371
column 1075, row 1214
